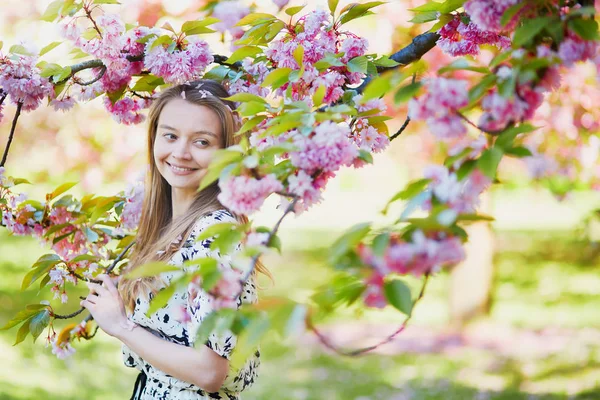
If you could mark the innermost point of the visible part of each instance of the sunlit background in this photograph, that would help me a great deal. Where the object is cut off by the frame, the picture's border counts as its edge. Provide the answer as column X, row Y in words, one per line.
column 532, row 281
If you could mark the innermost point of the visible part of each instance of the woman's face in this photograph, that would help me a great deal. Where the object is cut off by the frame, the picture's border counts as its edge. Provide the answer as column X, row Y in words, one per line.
column 186, row 137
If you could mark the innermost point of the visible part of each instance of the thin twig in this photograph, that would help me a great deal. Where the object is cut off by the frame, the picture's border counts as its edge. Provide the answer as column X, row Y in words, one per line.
column 12, row 133
column 464, row 117
column 88, row 12
column 108, row 270
column 272, row 233
column 96, row 79
column 402, row 128
column 327, row 343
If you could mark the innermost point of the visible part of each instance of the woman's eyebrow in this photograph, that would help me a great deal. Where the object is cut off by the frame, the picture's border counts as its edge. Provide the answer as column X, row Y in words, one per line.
column 195, row 133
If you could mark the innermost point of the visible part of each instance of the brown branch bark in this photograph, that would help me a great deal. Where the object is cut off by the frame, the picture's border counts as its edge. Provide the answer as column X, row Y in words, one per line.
column 12, row 133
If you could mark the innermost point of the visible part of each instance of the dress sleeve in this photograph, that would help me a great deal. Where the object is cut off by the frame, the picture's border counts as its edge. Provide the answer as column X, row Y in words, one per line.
column 201, row 305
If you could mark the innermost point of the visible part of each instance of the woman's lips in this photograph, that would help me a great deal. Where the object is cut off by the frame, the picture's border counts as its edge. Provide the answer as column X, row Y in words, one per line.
column 177, row 170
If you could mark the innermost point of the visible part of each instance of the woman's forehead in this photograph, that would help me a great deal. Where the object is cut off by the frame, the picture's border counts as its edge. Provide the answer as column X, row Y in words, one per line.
column 183, row 115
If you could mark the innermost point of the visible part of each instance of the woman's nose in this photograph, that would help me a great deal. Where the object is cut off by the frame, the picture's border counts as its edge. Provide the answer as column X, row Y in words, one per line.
column 182, row 150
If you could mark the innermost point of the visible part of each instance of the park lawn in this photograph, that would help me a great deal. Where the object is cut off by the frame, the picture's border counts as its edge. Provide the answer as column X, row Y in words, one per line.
column 546, row 292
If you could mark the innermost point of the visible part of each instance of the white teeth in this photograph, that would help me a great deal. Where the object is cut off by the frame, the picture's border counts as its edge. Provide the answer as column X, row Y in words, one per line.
column 181, row 169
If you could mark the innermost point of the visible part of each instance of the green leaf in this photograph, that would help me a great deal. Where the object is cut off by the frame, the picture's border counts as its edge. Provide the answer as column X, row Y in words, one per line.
column 518, row 151
column 378, row 87
column 277, row 78
column 586, row 29
column 358, row 64
column 245, row 97
column 385, row 61
column 332, row 5
column 197, row 27
column 19, row 49
column 348, row 241
column 465, row 169
column 411, row 190
column 22, row 333
column 319, row 95
column 489, row 160
column 255, row 19
column 49, row 47
column 506, row 138
column 358, row 10
column 38, row 323
column 450, row 5
column 151, row 269
column 243, row 52
column 226, row 241
column 206, row 327
column 148, row 83
column 299, row 55
column 251, row 123
column 160, row 299
column 90, row 235
column 23, row 315
column 52, row 11
column 365, row 156
column 424, row 17
column 529, row 29
column 221, row 159
column 475, row 217
column 406, row 92
column 398, row 295
column 291, row 11
column 106, row 2
column 161, row 40
column 216, row 229
column 511, row 12
column 40, row 270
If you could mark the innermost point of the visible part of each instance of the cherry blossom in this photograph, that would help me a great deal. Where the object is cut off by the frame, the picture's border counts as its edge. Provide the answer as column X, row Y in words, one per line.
column 245, row 195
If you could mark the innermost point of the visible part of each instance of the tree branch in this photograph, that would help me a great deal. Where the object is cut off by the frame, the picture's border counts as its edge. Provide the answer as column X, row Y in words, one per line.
column 12, row 133
column 420, row 45
column 402, row 128
column 327, row 343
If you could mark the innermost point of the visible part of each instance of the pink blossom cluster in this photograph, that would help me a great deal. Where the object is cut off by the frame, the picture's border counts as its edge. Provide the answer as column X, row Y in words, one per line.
column 19, row 218
column 366, row 136
column 424, row 254
column 225, row 294
column 251, row 81
column 499, row 111
column 132, row 210
column 573, row 49
column 61, row 350
column 127, row 110
column 458, row 39
column 230, row 13
column 439, row 105
column 107, row 47
column 486, row 14
column 20, row 79
column 326, row 149
column 459, row 196
column 309, row 189
column 317, row 38
column 244, row 194
column 181, row 65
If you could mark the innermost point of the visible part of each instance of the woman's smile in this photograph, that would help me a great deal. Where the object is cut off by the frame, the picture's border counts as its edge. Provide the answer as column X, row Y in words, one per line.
column 181, row 170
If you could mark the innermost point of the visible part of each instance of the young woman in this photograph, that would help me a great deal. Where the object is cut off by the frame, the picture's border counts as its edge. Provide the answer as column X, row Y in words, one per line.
column 187, row 123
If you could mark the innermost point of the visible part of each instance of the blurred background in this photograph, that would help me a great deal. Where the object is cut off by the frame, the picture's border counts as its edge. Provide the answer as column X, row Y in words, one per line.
column 518, row 320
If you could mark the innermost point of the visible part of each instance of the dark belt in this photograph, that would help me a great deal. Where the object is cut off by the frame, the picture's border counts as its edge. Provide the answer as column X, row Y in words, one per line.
column 140, row 384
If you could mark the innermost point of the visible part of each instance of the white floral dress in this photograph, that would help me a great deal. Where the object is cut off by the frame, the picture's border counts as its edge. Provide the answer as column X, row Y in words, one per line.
column 153, row 383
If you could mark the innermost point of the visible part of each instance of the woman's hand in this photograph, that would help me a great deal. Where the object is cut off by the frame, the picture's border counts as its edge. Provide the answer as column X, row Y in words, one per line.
column 106, row 306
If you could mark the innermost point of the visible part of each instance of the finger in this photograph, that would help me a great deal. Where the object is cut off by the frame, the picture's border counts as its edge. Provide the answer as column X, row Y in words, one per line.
column 98, row 289
column 92, row 298
column 86, row 304
column 110, row 286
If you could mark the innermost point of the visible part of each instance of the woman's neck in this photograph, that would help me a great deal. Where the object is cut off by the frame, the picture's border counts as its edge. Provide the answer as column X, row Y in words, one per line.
column 181, row 201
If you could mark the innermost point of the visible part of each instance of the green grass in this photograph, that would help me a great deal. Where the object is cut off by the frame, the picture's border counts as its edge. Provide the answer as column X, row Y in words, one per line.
column 541, row 340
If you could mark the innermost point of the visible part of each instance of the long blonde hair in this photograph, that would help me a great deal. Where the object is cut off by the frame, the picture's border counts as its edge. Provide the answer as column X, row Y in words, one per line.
column 158, row 230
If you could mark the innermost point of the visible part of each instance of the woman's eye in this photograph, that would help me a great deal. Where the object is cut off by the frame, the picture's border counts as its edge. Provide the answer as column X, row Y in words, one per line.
column 170, row 136
column 202, row 142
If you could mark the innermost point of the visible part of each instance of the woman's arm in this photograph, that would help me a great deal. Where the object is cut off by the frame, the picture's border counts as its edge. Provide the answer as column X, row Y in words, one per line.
column 202, row 366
